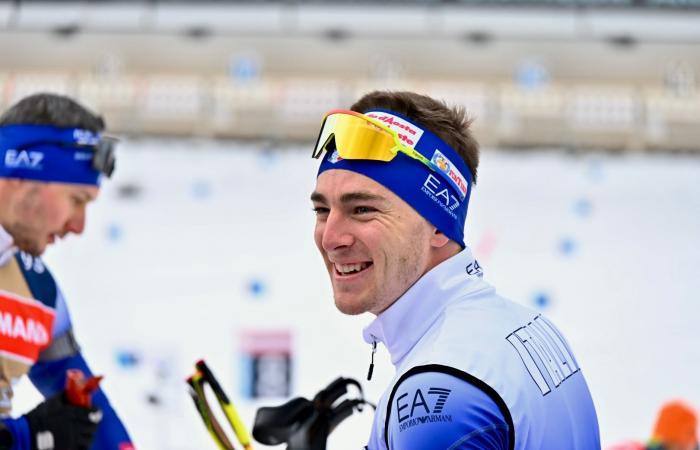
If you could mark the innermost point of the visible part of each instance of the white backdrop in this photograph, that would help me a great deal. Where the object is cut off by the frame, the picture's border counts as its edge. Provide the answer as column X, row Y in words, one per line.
column 606, row 246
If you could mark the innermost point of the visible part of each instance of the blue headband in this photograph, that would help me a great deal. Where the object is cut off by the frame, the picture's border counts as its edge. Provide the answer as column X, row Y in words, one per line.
column 52, row 154
column 442, row 198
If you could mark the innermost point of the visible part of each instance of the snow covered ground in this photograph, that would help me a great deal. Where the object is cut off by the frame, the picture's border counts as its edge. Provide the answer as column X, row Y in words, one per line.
column 216, row 239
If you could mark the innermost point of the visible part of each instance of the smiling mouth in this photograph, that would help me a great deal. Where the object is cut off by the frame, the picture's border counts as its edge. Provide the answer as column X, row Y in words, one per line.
column 345, row 270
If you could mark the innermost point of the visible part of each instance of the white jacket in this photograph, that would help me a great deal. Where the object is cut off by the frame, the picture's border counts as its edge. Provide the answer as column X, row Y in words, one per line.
column 453, row 319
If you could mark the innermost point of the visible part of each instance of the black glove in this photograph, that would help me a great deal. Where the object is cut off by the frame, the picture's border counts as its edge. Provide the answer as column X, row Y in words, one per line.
column 57, row 425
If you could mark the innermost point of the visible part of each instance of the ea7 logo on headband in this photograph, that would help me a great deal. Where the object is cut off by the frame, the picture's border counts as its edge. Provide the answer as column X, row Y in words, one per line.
column 23, row 159
column 436, row 188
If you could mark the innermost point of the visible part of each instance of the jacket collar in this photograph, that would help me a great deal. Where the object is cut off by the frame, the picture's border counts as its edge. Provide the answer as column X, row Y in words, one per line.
column 403, row 324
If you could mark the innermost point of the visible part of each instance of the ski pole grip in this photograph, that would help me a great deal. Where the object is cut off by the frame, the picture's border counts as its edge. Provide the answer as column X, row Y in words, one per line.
column 78, row 389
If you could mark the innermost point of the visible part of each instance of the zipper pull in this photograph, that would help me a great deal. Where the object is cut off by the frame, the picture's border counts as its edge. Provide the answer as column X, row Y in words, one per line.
column 371, row 363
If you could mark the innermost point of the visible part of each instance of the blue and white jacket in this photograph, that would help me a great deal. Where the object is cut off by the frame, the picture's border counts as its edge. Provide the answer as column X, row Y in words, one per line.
column 477, row 371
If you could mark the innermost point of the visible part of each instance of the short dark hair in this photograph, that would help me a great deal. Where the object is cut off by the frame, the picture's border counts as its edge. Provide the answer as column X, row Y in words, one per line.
column 451, row 124
column 52, row 109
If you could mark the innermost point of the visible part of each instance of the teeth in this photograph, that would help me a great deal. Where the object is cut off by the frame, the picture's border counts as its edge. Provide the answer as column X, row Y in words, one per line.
column 349, row 268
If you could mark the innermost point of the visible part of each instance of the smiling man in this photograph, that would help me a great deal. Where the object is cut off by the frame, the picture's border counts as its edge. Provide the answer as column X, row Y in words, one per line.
column 52, row 160
column 473, row 370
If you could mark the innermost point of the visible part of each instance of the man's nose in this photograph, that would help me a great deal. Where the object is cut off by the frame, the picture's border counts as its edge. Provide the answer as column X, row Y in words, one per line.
column 76, row 224
column 336, row 232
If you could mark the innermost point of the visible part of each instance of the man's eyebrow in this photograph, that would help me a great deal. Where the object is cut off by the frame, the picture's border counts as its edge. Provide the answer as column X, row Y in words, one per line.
column 350, row 197
column 317, row 197
column 84, row 196
column 361, row 197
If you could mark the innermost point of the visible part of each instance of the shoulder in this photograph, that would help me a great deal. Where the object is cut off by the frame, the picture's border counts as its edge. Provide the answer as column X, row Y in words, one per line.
column 440, row 407
column 39, row 279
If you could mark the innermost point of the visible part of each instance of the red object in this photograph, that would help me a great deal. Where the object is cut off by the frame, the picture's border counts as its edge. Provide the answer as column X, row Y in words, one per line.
column 25, row 327
column 78, row 389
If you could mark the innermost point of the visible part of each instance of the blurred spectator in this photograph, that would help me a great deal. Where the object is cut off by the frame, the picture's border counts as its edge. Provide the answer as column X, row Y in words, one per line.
column 676, row 429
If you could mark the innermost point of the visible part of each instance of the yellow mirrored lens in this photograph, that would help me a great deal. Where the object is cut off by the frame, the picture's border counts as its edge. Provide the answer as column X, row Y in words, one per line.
column 357, row 138
column 325, row 134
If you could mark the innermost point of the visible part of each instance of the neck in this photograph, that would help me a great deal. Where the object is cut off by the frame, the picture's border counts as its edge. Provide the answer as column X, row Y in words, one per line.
column 441, row 254
column 401, row 325
column 437, row 256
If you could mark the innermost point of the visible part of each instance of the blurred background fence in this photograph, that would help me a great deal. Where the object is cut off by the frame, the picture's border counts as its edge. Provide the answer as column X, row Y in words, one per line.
column 571, row 115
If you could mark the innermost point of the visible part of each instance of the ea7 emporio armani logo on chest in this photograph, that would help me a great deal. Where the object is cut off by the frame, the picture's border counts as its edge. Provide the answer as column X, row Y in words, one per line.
column 423, row 408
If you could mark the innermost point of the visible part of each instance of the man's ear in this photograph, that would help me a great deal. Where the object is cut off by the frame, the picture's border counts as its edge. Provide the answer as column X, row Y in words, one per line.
column 438, row 239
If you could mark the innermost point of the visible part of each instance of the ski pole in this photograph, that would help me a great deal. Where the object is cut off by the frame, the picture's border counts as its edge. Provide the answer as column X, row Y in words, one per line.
column 202, row 376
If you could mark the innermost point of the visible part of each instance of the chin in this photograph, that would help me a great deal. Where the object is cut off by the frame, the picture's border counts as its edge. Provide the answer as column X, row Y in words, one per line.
column 350, row 307
column 32, row 248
